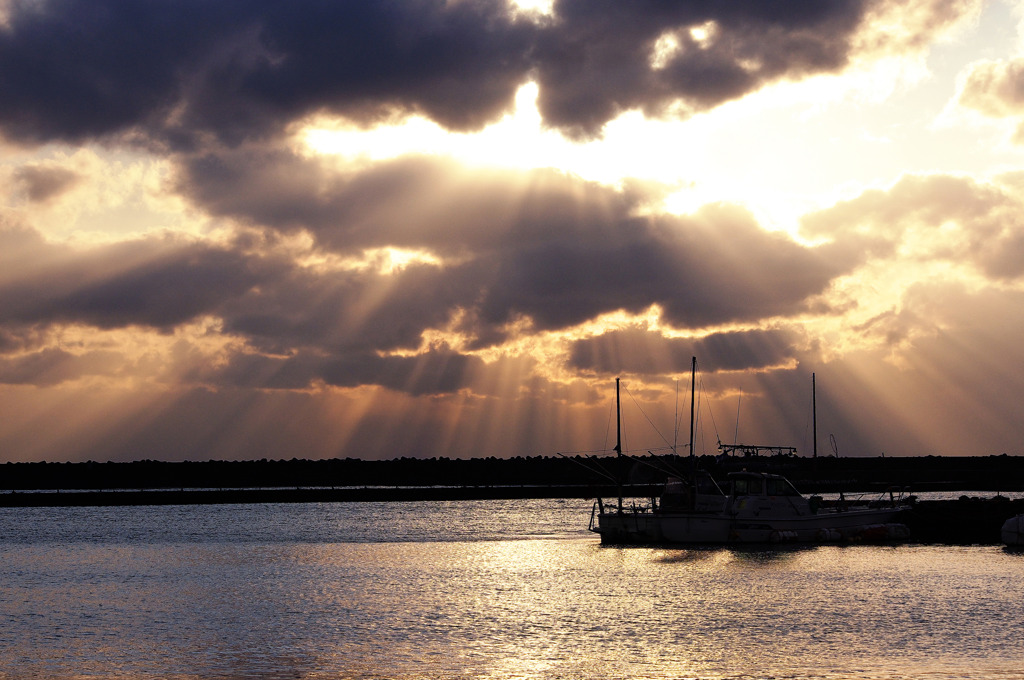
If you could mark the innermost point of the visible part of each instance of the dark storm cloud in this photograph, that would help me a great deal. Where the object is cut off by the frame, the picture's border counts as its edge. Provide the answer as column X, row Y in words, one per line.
column 53, row 366
column 596, row 62
column 645, row 352
column 713, row 267
column 437, row 371
column 277, row 306
column 541, row 245
column 17, row 338
column 558, row 253
column 43, row 183
column 348, row 311
column 158, row 283
column 178, row 70
column 412, row 202
column 76, row 69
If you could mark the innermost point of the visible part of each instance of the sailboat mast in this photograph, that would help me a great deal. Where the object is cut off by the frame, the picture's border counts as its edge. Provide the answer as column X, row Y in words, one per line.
column 814, row 416
column 618, row 420
column 693, row 385
column 618, row 437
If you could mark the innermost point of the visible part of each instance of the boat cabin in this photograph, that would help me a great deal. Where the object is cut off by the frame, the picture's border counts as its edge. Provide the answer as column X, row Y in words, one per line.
column 747, row 493
column 760, row 484
column 758, row 492
column 679, row 494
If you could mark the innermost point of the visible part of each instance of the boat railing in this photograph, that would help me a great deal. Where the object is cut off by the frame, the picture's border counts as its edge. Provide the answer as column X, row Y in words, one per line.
column 598, row 507
column 891, row 497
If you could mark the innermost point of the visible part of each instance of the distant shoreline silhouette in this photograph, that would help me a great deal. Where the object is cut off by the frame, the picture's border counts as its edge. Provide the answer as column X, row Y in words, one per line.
column 810, row 475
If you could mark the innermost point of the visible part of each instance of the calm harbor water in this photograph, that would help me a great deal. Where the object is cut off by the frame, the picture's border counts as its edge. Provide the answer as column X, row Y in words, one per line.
column 489, row 589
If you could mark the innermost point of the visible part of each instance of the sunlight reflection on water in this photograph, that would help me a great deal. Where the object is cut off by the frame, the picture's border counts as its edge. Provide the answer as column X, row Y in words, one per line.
column 304, row 592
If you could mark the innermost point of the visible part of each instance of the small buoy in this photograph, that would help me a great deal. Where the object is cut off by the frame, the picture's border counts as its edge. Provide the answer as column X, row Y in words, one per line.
column 829, row 535
column 1013, row 531
column 897, row 531
column 782, row 536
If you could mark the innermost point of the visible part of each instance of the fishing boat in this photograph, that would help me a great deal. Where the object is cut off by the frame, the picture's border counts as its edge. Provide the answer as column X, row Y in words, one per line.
column 755, row 507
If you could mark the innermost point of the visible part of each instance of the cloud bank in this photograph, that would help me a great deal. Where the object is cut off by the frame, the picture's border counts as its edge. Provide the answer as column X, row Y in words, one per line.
column 179, row 72
column 416, row 304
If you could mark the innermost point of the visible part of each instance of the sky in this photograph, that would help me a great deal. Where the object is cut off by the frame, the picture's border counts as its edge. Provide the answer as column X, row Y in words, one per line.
column 424, row 228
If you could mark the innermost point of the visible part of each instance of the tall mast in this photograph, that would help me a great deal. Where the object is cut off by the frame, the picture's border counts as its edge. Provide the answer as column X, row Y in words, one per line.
column 618, row 438
column 814, row 416
column 693, row 385
column 618, row 420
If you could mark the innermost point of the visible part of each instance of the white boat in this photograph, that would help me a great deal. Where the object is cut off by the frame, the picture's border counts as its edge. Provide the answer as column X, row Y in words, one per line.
column 756, row 507
column 1013, row 531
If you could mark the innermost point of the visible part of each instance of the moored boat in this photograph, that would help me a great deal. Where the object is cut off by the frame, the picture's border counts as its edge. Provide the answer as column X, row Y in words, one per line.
column 756, row 507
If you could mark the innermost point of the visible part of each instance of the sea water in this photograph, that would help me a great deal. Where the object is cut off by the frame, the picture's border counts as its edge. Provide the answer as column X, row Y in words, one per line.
column 488, row 589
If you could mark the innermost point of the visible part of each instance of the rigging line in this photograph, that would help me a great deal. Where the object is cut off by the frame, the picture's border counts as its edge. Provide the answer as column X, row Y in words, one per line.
column 608, row 425
column 653, row 426
column 699, row 421
column 711, row 412
column 652, row 464
column 661, row 465
column 736, row 432
column 599, row 469
column 675, row 433
column 703, row 397
column 628, row 453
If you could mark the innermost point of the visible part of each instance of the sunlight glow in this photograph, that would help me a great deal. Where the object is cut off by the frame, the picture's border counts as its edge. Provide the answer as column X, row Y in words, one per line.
column 543, row 7
column 107, row 197
column 517, row 141
column 386, row 260
column 739, row 153
column 391, row 260
column 665, row 47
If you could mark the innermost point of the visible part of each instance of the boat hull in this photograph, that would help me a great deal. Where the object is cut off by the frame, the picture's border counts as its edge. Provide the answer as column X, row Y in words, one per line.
column 636, row 527
column 868, row 525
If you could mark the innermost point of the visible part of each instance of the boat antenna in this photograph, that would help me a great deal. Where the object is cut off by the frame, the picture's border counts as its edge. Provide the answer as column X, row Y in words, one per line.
column 814, row 416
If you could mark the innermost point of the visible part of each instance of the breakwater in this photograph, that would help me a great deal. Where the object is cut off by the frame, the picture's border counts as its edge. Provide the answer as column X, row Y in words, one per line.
column 826, row 474
column 964, row 521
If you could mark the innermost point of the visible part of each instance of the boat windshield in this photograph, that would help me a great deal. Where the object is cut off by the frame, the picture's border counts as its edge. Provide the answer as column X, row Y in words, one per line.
column 781, row 487
column 747, row 486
